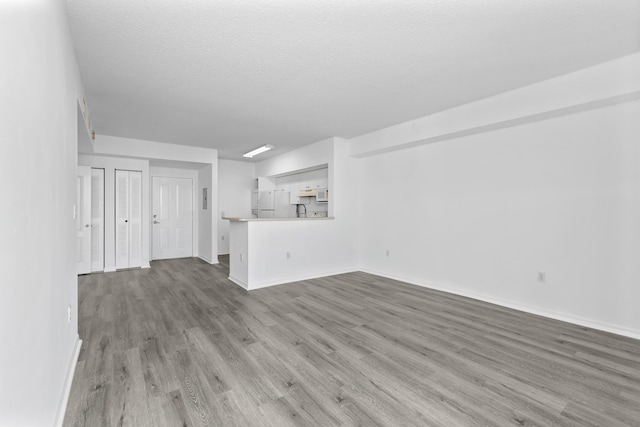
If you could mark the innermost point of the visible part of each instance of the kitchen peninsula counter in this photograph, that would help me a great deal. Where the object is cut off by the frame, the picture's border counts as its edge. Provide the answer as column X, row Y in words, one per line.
column 270, row 251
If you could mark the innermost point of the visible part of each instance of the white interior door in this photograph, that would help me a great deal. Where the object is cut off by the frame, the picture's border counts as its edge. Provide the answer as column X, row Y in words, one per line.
column 128, row 219
column 83, row 219
column 172, row 217
column 97, row 220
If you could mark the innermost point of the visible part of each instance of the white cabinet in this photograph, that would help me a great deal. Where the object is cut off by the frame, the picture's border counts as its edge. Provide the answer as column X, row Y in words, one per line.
column 128, row 219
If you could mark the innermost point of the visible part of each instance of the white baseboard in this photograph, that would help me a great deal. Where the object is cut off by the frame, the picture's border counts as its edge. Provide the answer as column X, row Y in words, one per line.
column 109, row 270
column 146, row 266
column 223, row 253
column 238, row 282
column 589, row 323
column 208, row 260
column 71, row 370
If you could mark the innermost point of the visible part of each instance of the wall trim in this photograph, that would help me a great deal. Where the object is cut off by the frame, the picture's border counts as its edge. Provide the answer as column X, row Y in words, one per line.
column 66, row 391
column 147, row 265
column 238, row 282
column 576, row 320
column 109, row 270
column 204, row 258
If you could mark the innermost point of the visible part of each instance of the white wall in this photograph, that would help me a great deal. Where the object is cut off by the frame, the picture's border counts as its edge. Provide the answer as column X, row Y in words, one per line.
column 235, row 181
column 110, row 164
column 481, row 215
column 155, row 171
column 40, row 88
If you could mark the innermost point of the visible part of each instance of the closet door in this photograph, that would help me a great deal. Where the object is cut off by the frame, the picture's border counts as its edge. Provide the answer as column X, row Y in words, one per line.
column 128, row 219
column 135, row 219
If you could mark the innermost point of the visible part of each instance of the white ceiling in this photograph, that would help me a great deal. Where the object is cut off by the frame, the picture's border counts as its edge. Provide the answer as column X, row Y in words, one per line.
column 236, row 74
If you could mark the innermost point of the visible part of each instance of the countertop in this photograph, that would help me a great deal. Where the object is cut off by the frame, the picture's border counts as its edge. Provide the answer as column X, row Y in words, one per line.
column 239, row 219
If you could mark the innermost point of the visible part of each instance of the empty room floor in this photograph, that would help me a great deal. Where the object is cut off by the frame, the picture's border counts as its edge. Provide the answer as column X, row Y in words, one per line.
column 180, row 345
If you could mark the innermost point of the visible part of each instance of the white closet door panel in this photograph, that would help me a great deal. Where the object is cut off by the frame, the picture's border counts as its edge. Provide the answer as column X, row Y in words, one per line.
column 122, row 219
column 122, row 194
column 135, row 219
column 97, row 219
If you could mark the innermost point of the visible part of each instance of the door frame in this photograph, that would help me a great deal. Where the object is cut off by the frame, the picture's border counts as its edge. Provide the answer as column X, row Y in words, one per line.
column 82, row 215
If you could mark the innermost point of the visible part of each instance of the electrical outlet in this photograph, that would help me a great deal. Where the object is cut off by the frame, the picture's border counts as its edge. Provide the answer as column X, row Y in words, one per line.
column 288, row 255
column 69, row 314
column 222, row 237
column 241, row 257
column 542, row 277
column 387, row 252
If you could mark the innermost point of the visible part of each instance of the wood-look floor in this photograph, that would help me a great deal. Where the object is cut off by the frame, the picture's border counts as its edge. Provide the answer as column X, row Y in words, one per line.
column 180, row 345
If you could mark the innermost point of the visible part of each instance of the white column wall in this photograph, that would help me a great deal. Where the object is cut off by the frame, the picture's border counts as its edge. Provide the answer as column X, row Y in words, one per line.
column 235, row 182
column 207, row 232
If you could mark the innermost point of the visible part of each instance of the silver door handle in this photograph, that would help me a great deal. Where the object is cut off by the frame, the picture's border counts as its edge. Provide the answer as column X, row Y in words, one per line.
column 156, row 222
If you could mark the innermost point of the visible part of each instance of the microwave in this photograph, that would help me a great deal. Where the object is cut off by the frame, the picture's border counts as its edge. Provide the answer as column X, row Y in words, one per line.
column 322, row 195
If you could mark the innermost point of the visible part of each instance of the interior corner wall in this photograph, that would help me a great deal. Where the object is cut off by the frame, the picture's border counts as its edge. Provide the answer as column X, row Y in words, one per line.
column 481, row 215
column 235, row 182
column 155, row 171
column 110, row 165
column 40, row 87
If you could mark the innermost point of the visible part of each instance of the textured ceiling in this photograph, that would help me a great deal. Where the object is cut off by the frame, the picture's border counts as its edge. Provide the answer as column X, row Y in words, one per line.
column 236, row 74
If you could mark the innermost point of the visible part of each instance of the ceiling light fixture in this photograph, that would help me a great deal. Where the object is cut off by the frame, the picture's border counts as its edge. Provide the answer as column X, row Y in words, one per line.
column 258, row 150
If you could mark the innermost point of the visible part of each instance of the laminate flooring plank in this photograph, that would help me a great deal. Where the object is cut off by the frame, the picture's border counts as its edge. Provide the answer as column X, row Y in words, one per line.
column 128, row 403
column 203, row 353
column 281, row 413
column 311, row 396
column 162, row 412
column 156, row 369
column 181, row 345
column 256, row 389
column 564, row 384
column 194, row 390
column 180, row 412
column 574, row 369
